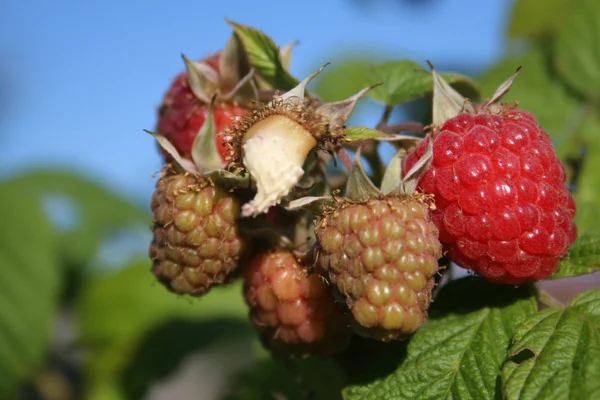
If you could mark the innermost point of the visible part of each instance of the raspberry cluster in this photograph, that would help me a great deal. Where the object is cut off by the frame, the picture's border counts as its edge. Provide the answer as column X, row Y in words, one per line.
column 247, row 193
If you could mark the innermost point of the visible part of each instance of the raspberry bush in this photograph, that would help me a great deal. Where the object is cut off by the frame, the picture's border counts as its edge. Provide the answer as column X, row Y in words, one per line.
column 363, row 261
column 309, row 257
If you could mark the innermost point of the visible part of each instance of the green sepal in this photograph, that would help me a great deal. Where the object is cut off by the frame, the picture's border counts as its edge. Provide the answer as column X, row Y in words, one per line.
column 205, row 154
column 359, row 187
column 181, row 163
column 202, row 78
column 392, row 178
column 447, row 102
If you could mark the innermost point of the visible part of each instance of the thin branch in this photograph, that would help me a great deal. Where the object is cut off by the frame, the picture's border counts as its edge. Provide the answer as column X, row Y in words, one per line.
column 344, row 157
column 403, row 126
column 385, row 117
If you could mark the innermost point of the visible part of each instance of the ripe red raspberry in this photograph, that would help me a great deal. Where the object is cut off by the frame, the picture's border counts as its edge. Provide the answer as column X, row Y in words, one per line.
column 294, row 311
column 381, row 255
column 197, row 243
column 503, row 209
column 182, row 114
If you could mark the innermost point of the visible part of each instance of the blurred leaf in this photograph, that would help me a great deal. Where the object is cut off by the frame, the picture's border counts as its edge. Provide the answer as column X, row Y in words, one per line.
column 357, row 133
column 96, row 212
column 29, row 287
column 537, row 18
column 117, row 311
column 460, row 351
column 343, row 78
column 536, row 90
column 263, row 55
column 311, row 378
column 406, row 80
column 583, row 258
column 577, row 53
column 164, row 348
column 588, row 185
column 556, row 353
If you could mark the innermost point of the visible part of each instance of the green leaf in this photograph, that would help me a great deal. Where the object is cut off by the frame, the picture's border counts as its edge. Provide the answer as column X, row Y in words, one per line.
column 227, row 341
column 263, row 55
column 536, row 90
column 588, row 185
column 459, row 352
column 96, row 211
column 29, row 287
column 577, row 54
column 345, row 76
column 556, row 353
column 314, row 378
column 358, row 133
column 537, row 18
column 406, row 80
column 117, row 311
column 583, row 258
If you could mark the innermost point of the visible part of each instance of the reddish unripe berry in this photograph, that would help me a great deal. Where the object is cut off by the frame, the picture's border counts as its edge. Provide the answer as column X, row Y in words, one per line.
column 182, row 115
column 295, row 311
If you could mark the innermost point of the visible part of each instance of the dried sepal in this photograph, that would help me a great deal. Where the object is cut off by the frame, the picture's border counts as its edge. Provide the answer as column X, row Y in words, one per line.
column 204, row 150
column 202, row 78
column 359, row 187
column 413, row 175
column 447, row 102
column 337, row 113
column 231, row 63
column 392, row 178
column 492, row 103
column 300, row 89
column 180, row 163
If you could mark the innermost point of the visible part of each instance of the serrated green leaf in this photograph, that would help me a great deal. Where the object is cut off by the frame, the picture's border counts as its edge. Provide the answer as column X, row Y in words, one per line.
column 459, row 352
column 116, row 311
column 29, row 287
column 536, row 90
column 577, row 55
column 583, row 258
column 357, row 133
column 406, row 80
column 556, row 353
column 536, row 18
column 263, row 56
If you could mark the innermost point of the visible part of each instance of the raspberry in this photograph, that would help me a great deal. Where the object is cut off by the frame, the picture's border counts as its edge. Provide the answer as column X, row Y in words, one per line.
column 196, row 241
column 503, row 209
column 294, row 311
column 381, row 255
column 182, row 114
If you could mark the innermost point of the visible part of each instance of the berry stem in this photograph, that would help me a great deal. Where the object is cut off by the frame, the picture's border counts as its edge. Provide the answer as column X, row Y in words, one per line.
column 416, row 127
column 547, row 300
column 385, row 117
column 344, row 157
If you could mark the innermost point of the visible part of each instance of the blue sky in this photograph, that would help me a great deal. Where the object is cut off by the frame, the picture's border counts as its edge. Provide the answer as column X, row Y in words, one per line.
column 86, row 77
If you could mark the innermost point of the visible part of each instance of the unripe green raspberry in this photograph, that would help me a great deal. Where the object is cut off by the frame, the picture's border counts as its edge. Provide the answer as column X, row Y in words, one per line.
column 381, row 255
column 196, row 242
column 295, row 311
